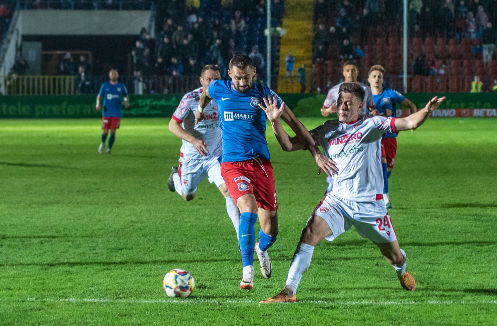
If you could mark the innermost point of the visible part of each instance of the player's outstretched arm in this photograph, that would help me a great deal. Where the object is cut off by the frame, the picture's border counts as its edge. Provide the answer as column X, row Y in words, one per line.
column 325, row 164
column 327, row 111
column 202, row 104
column 273, row 113
column 417, row 119
column 99, row 105
column 176, row 129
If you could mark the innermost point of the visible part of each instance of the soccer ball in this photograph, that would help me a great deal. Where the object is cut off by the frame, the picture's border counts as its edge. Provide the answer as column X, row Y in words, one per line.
column 178, row 283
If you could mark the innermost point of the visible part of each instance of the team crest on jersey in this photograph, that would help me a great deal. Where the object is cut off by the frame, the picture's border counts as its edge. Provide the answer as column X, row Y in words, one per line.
column 119, row 89
column 386, row 100
column 185, row 182
column 255, row 102
column 324, row 210
column 243, row 186
column 241, row 178
column 181, row 104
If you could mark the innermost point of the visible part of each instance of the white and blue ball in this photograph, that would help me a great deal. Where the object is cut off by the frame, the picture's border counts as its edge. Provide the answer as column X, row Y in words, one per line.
column 178, row 283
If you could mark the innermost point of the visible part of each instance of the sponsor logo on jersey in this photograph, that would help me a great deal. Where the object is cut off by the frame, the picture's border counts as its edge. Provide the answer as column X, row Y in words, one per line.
column 231, row 116
column 347, row 153
column 224, row 98
column 242, row 178
column 354, row 138
column 387, row 100
column 111, row 96
column 243, row 186
column 212, row 116
column 255, row 102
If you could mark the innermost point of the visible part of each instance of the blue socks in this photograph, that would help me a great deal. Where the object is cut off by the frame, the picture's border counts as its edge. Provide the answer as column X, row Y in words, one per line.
column 112, row 138
column 388, row 174
column 104, row 137
column 385, row 177
column 246, row 232
column 265, row 241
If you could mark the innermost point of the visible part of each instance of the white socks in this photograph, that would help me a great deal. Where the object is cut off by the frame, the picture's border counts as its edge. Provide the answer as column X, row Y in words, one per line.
column 401, row 270
column 300, row 263
column 177, row 184
column 233, row 213
column 386, row 198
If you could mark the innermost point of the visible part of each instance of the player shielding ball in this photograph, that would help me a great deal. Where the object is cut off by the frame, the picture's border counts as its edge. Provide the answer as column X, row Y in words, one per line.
column 201, row 146
column 350, row 72
column 354, row 197
column 384, row 101
column 246, row 166
column 112, row 92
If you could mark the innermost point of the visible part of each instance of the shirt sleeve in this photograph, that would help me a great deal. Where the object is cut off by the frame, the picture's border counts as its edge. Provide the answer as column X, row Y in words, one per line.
column 125, row 91
column 315, row 134
column 278, row 98
column 369, row 99
column 213, row 86
column 101, row 93
column 384, row 124
column 329, row 99
column 183, row 109
column 396, row 96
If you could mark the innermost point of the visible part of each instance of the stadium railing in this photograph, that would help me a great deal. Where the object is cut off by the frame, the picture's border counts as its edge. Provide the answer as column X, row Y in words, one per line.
column 39, row 85
column 87, row 5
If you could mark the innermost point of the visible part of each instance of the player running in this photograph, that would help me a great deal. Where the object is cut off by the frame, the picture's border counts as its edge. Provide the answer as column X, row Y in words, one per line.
column 384, row 101
column 246, row 166
column 112, row 92
column 201, row 146
column 354, row 196
column 350, row 72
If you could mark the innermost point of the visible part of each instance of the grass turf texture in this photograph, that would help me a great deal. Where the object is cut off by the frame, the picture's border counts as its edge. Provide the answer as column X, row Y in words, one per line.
column 86, row 238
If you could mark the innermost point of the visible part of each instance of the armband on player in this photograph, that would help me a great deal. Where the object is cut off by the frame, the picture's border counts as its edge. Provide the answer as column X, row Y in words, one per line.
column 201, row 109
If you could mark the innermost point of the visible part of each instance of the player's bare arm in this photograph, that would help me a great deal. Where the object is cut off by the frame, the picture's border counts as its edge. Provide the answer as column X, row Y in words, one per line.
column 287, row 143
column 326, row 111
column 202, row 104
column 177, row 130
column 417, row 119
column 407, row 103
column 325, row 164
column 99, row 101
column 126, row 102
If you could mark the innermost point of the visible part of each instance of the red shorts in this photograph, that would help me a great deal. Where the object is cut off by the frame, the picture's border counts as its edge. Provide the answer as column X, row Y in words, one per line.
column 111, row 123
column 254, row 177
column 389, row 150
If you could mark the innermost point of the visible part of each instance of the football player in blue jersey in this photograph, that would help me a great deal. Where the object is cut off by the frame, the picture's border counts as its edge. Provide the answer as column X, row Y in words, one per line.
column 384, row 101
column 112, row 92
column 246, row 166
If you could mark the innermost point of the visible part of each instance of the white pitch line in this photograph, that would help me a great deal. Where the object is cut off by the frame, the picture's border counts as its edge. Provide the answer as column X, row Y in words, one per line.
column 203, row 301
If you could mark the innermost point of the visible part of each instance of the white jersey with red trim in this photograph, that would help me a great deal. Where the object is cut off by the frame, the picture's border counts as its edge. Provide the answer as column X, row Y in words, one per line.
column 356, row 149
column 332, row 98
column 207, row 130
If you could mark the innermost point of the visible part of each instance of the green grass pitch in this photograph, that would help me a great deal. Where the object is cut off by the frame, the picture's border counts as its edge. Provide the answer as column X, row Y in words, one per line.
column 85, row 239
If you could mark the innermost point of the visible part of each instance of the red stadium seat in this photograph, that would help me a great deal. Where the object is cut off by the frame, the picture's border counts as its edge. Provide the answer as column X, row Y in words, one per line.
column 468, row 71
column 455, row 85
column 453, row 41
column 467, row 83
column 481, row 71
column 454, row 52
column 431, row 82
column 476, row 42
column 418, row 84
column 442, row 84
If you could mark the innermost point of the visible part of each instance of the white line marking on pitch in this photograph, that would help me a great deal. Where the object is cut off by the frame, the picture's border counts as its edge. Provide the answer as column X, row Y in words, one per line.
column 201, row 301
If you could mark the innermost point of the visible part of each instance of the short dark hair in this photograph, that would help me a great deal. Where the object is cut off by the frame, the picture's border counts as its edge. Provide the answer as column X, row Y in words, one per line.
column 350, row 62
column 353, row 88
column 241, row 61
column 209, row 67
column 113, row 68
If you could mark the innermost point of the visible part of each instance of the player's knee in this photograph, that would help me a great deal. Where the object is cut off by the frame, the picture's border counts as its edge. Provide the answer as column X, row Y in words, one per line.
column 308, row 237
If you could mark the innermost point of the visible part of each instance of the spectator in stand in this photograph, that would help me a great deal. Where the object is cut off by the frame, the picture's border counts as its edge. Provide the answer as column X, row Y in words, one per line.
column 471, row 25
column 481, row 20
column 165, row 49
column 365, row 22
column 417, row 5
column 358, row 52
column 4, row 11
column 176, row 10
column 488, row 39
column 461, row 14
column 215, row 52
column 346, row 50
column 258, row 62
column 222, row 68
column 473, row 5
column 161, row 68
column 137, row 54
column 320, row 36
column 186, row 50
column 192, row 68
column 427, row 23
column 494, row 88
column 68, row 66
column 321, row 9
column 451, row 7
column 333, row 38
column 302, row 81
column 86, row 66
column 277, row 12
column 344, row 20
column 349, row 8
column 412, row 21
column 289, row 62
column 147, row 62
column 445, row 21
column 319, row 53
column 178, row 37
column 393, row 11
column 431, row 64
column 199, row 35
column 83, row 85
column 476, row 85
column 374, row 7
column 420, row 65
column 237, row 24
column 168, row 29
column 176, row 67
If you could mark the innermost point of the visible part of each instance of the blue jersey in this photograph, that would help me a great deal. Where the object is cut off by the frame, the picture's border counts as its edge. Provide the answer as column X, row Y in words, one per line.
column 242, row 122
column 112, row 95
column 386, row 100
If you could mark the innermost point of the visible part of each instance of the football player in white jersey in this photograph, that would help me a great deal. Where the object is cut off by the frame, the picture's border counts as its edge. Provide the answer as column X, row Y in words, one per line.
column 350, row 72
column 355, row 194
column 201, row 146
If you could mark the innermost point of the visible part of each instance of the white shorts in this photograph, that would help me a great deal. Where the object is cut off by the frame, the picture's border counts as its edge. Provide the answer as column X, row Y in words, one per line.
column 192, row 172
column 370, row 219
